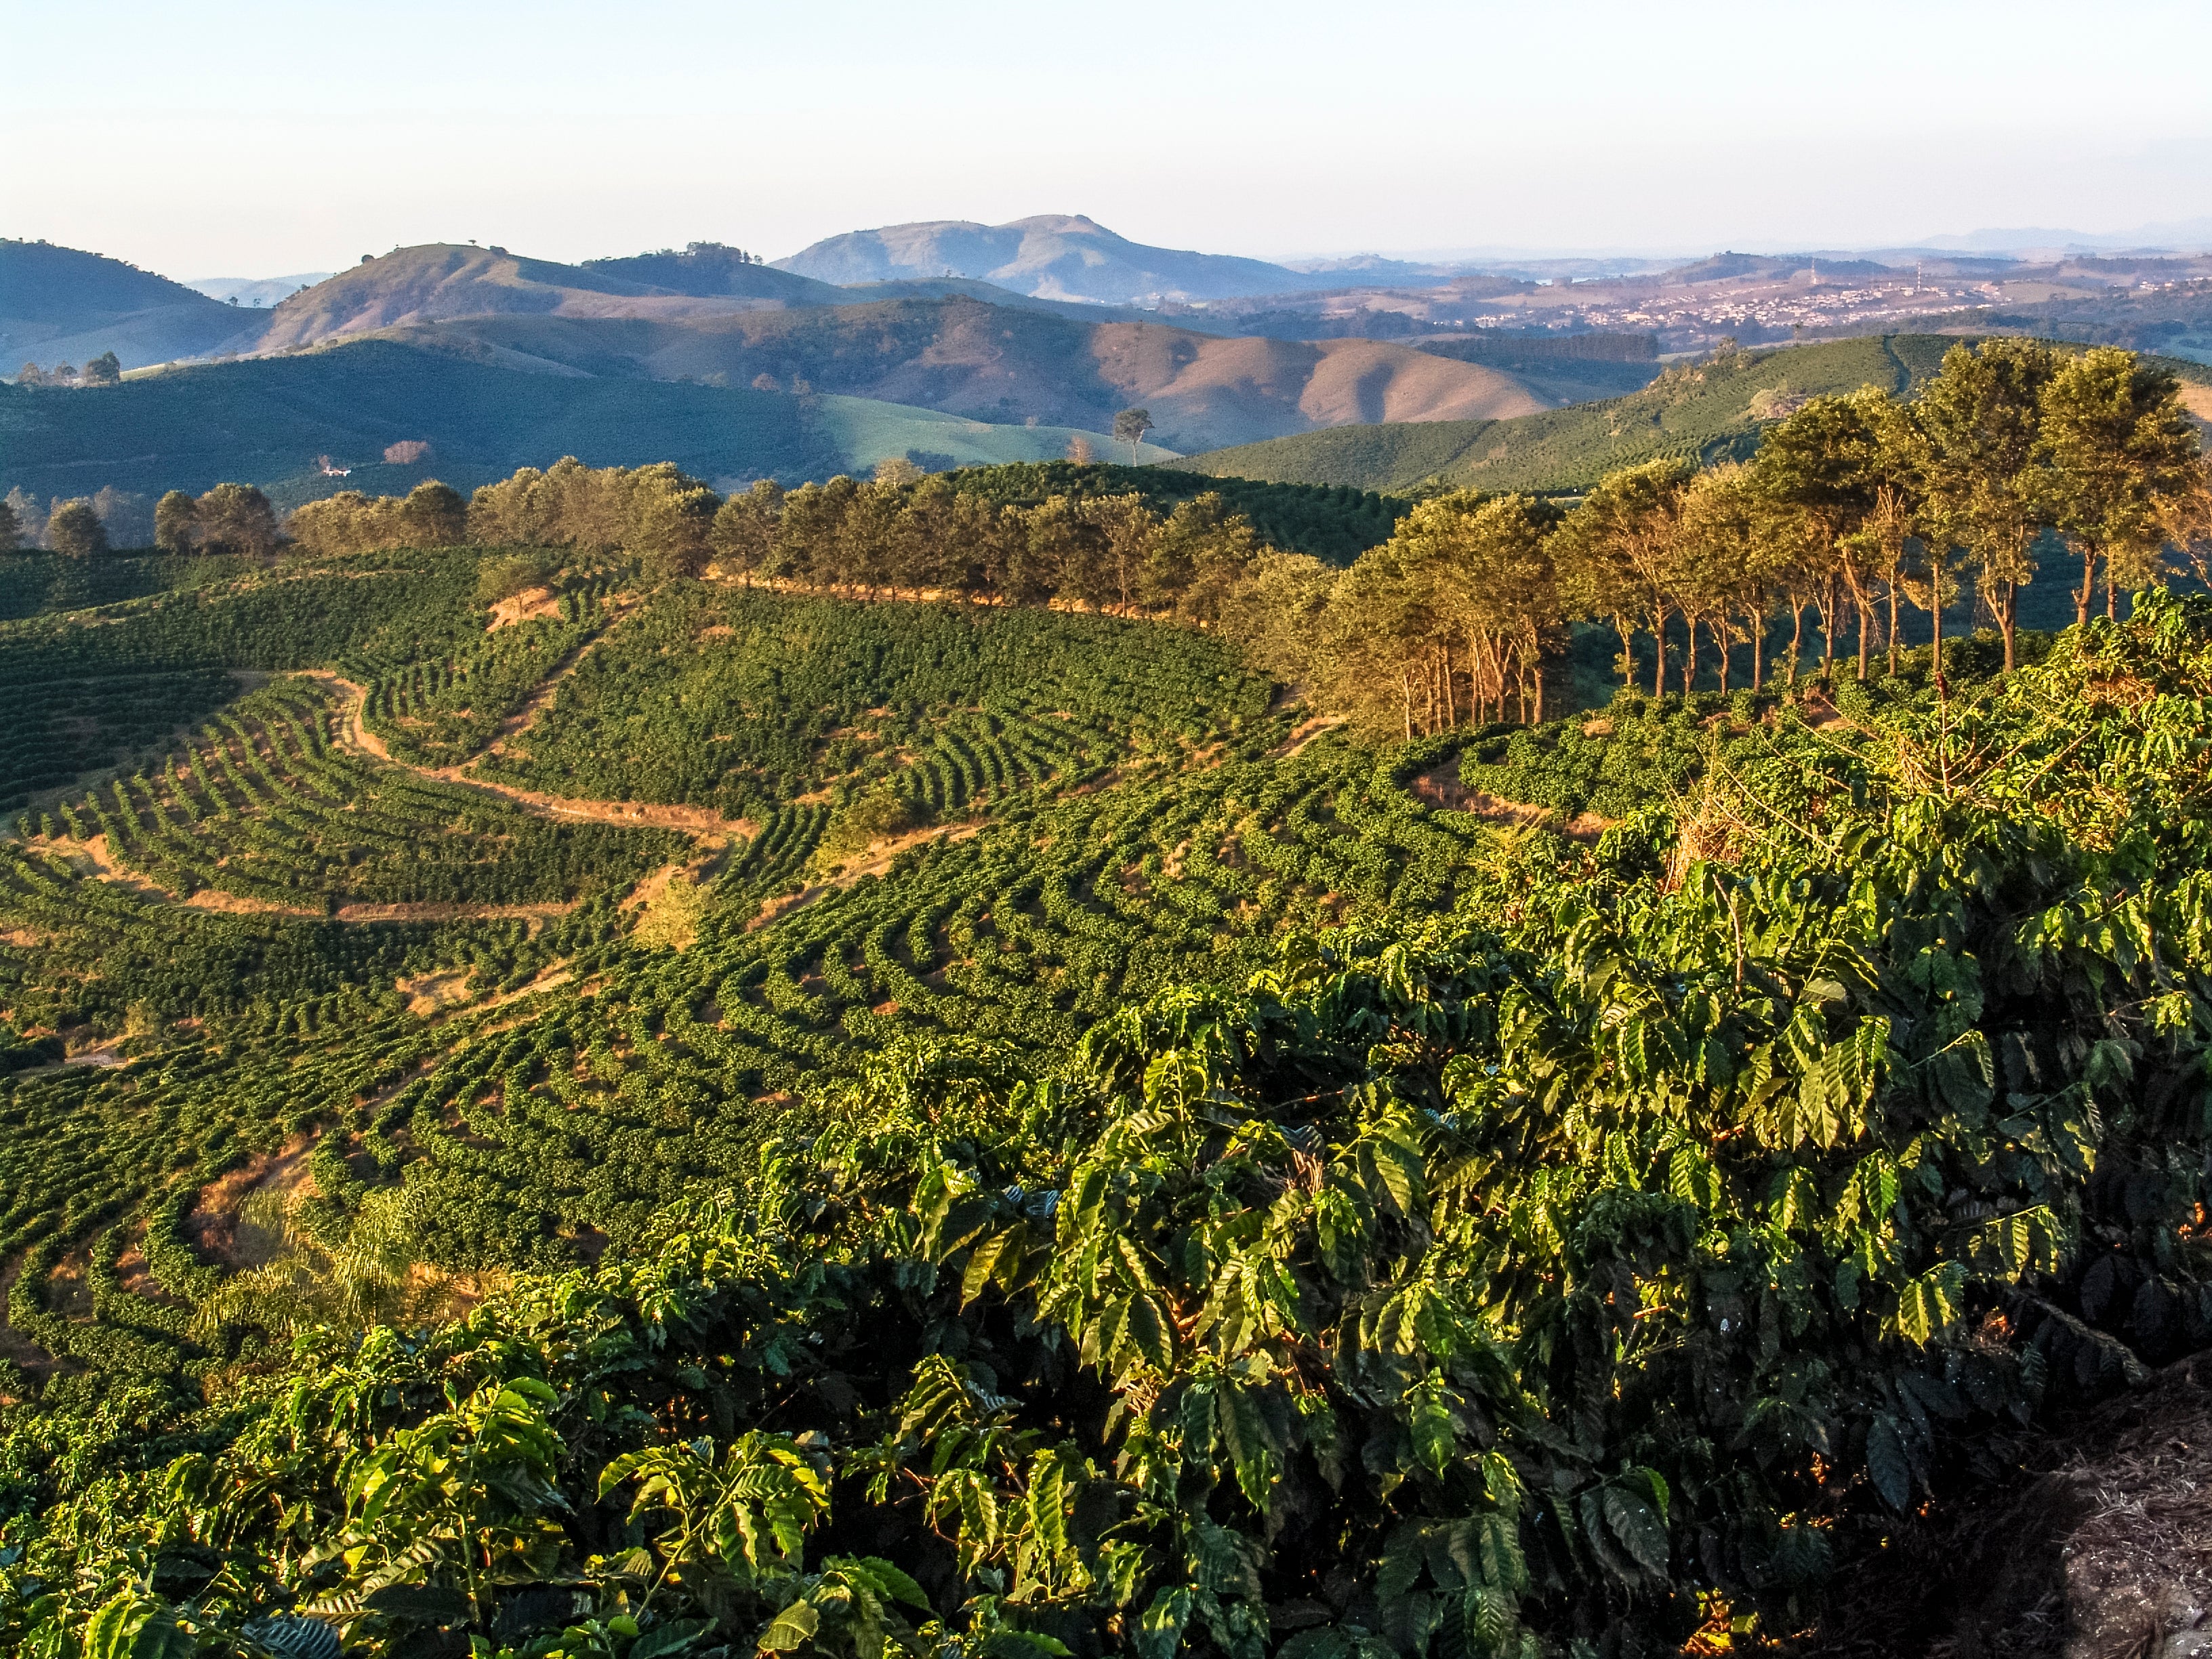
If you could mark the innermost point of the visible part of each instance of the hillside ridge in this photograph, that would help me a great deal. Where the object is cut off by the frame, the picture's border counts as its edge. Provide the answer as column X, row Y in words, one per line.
column 1051, row 256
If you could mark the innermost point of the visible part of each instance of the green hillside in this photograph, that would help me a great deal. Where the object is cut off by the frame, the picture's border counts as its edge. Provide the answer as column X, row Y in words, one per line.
column 62, row 305
column 1704, row 411
column 265, row 420
column 904, row 1130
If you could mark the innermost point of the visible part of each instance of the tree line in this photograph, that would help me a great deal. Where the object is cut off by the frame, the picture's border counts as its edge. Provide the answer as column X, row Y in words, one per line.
column 1853, row 510
column 899, row 534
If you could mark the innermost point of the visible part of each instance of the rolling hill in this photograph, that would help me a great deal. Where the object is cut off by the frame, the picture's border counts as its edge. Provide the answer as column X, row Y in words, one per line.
column 441, row 279
column 1053, row 255
column 62, row 305
column 264, row 421
column 1705, row 409
column 1003, row 363
column 710, row 270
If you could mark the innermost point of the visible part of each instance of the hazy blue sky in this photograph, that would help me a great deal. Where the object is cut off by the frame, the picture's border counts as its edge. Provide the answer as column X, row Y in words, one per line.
column 256, row 138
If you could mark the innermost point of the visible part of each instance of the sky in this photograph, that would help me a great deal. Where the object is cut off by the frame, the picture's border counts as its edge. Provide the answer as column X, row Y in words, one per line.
column 259, row 139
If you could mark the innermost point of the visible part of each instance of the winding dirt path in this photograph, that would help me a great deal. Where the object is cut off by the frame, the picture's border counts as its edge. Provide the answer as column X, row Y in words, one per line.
column 714, row 834
column 694, row 821
column 95, row 858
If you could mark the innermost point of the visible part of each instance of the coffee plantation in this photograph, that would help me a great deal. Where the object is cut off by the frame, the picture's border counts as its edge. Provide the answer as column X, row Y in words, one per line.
column 550, row 1104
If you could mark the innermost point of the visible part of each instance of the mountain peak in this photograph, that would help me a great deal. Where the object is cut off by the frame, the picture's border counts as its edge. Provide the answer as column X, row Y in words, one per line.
column 1050, row 256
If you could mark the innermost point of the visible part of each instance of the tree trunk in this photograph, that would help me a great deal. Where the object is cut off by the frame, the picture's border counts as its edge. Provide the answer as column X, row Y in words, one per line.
column 1796, row 638
column 1627, row 632
column 1759, row 654
column 1935, row 609
column 2087, row 591
column 1405, row 688
column 1451, row 703
column 1540, row 695
column 1828, row 631
column 1724, row 638
column 1893, row 628
column 1690, row 662
column 1866, row 622
column 1659, row 671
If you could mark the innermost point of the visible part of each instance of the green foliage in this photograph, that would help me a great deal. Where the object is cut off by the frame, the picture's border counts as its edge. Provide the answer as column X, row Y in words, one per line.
column 1331, row 522
column 74, row 531
column 742, row 699
column 67, row 727
column 1581, row 1232
column 1463, row 1288
column 265, row 805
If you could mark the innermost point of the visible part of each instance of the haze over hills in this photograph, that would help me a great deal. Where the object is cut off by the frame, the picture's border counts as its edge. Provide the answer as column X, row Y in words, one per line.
column 916, row 350
column 2184, row 235
column 62, row 305
column 1051, row 256
column 257, row 293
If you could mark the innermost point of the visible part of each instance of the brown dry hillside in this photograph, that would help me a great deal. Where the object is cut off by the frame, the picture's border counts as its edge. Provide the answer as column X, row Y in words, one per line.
column 1256, row 385
column 441, row 281
column 1003, row 363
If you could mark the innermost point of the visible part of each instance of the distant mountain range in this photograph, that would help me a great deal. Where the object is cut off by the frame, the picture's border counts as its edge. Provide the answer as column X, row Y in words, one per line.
column 1053, row 255
column 2182, row 235
column 255, row 293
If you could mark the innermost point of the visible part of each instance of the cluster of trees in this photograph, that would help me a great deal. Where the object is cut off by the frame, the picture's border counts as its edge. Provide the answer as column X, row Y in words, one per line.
column 432, row 514
column 898, row 534
column 77, row 525
column 901, row 535
column 657, row 513
column 105, row 369
column 1853, row 509
column 231, row 518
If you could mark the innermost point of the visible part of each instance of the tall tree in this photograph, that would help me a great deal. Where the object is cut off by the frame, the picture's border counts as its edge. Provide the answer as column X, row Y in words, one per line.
column 105, row 369
column 1130, row 427
column 1824, row 459
column 75, row 530
column 1737, row 553
column 175, row 522
column 436, row 515
column 235, row 518
column 1616, row 556
column 744, row 529
column 1131, row 533
column 2119, row 448
column 11, row 532
column 1971, row 443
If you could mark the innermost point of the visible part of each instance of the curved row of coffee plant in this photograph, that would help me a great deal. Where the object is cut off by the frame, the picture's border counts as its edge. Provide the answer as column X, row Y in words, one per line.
column 267, row 807
column 1586, row 1269
column 740, row 699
